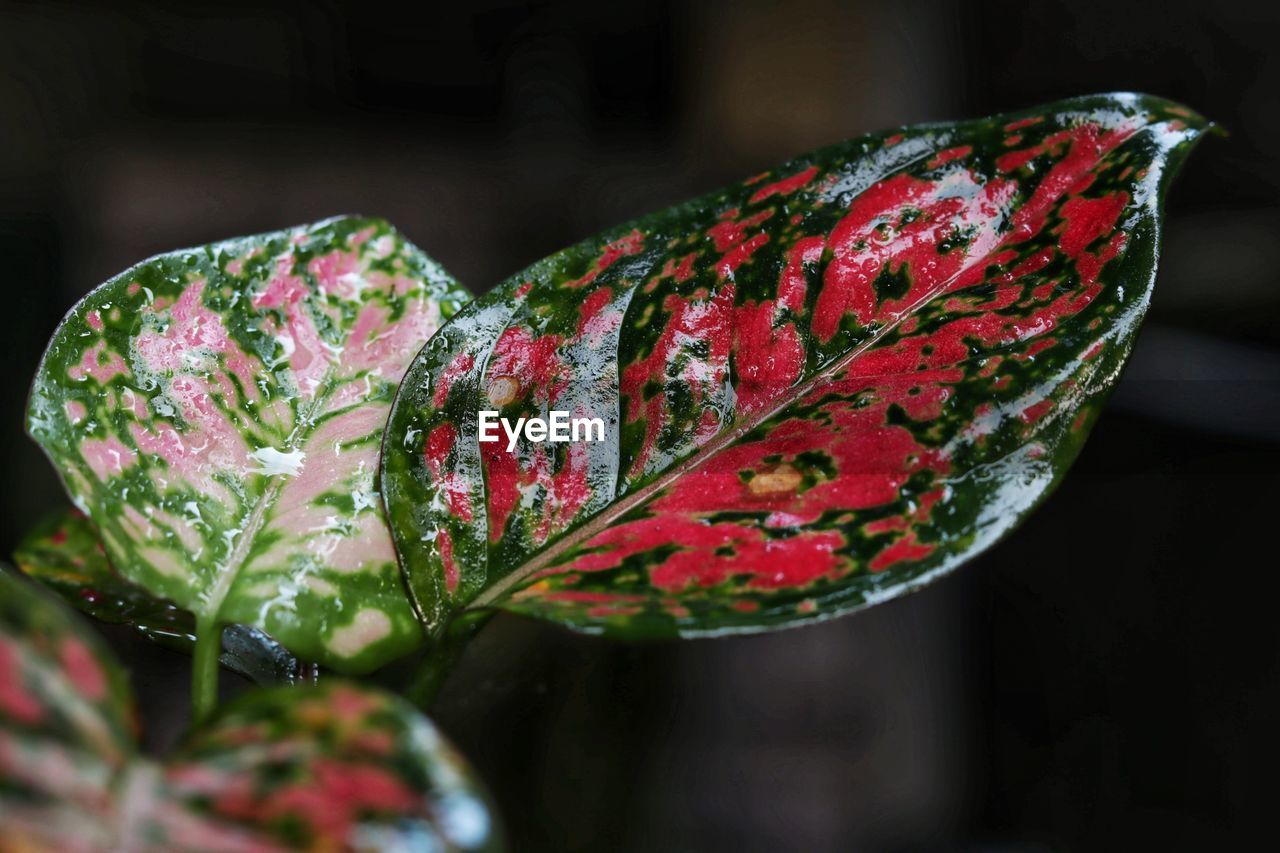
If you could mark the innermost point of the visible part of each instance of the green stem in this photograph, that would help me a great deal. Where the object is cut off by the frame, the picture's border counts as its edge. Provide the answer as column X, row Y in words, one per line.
column 204, row 669
column 429, row 678
column 440, row 658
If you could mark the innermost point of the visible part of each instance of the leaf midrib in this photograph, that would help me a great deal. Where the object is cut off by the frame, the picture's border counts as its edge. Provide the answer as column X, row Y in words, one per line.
column 238, row 558
column 606, row 517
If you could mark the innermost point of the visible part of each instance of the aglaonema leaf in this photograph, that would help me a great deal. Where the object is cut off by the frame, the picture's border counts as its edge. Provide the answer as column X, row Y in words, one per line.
column 311, row 766
column 821, row 387
column 320, row 768
column 66, row 726
column 64, row 553
column 217, row 413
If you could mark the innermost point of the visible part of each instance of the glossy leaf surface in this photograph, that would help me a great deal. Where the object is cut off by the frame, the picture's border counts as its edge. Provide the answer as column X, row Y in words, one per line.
column 322, row 768
column 821, row 387
column 64, row 553
column 217, row 413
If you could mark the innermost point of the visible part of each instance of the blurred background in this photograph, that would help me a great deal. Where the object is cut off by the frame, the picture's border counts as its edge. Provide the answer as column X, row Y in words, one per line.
column 1107, row 678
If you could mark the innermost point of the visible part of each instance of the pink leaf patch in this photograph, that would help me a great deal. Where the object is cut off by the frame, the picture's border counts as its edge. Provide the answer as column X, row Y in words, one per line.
column 823, row 386
column 227, row 450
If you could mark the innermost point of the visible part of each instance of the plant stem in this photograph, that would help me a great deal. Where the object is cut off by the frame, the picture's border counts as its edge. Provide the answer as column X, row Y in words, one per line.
column 439, row 659
column 204, row 669
column 430, row 677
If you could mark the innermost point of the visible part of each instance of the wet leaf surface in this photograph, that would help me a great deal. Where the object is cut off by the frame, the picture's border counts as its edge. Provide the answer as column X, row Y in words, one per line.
column 64, row 553
column 217, row 413
column 821, row 387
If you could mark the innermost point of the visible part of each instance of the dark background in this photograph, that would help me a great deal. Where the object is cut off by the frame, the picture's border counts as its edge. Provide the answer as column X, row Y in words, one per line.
column 1106, row 678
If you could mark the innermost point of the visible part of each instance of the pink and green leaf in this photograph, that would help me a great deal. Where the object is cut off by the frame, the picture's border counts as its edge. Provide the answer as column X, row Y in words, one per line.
column 306, row 766
column 217, row 414
column 66, row 724
column 822, row 387
column 64, row 553
column 320, row 768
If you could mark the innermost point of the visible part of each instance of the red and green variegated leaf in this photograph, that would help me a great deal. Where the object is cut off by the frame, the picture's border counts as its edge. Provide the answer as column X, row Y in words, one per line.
column 64, row 553
column 303, row 767
column 217, row 413
column 821, row 387
column 322, row 768
column 66, row 725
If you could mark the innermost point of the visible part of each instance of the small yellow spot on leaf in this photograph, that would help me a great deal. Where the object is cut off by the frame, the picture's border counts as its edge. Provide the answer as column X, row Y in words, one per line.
column 775, row 481
column 503, row 389
column 535, row 589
